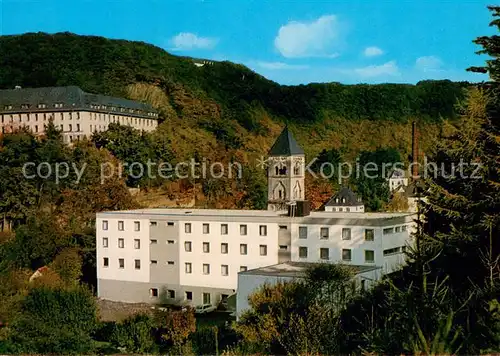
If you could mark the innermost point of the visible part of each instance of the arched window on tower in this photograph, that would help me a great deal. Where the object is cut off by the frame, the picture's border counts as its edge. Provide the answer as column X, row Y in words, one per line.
column 279, row 192
column 297, row 191
column 296, row 169
column 276, row 170
column 282, row 170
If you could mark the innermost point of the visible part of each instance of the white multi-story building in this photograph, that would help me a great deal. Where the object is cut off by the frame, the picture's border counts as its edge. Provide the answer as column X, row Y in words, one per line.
column 192, row 255
column 195, row 255
column 76, row 113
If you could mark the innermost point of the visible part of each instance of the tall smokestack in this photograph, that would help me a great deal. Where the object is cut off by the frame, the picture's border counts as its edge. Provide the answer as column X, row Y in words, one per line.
column 414, row 151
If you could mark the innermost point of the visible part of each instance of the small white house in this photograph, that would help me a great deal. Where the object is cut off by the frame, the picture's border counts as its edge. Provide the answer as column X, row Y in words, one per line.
column 252, row 280
column 397, row 180
column 345, row 201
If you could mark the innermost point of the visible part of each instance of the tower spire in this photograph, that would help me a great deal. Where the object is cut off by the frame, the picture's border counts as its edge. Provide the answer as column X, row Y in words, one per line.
column 286, row 172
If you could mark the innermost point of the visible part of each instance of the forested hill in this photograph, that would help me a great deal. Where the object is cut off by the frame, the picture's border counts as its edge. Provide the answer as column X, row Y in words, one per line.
column 101, row 65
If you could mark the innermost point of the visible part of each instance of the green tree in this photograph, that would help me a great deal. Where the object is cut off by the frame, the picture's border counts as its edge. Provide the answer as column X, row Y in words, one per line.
column 456, row 249
column 299, row 317
column 18, row 195
column 37, row 243
column 328, row 158
column 68, row 264
column 372, row 172
column 135, row 334
column 254, row 187
column 57, row 321
column 176, row 327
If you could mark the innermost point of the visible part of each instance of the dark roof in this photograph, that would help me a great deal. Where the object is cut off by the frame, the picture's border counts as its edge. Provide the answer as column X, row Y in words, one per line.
column 71, row 98
column 285, row 145
column 344, row 197
column 397, row 173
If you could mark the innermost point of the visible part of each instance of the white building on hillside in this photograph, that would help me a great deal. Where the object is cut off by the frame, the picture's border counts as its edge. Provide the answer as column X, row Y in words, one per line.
column 195, row 255
column 345, row 201
column 397, row 180
column 76, row 113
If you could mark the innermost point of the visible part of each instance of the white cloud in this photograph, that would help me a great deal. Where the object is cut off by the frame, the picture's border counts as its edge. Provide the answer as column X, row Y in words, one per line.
column 386, row 69
column 428, row 64
column 186, row 41
column 372, row 51
column 281, row 66
column 308, row 39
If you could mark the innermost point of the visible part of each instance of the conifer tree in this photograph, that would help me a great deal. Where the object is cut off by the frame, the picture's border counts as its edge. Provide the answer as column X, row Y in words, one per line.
column 460, row 239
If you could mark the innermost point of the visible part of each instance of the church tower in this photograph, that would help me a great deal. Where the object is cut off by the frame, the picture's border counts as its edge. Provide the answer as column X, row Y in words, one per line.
column 286, row 171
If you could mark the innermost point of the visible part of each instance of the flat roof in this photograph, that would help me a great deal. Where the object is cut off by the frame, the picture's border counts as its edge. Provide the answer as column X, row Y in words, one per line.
column 298, row 269
column 174, row 212
column 357, row 215
column 177, row 212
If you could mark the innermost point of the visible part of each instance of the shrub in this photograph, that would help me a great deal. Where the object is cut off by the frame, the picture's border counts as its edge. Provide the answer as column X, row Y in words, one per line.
column 56, row 321
column 135, row 334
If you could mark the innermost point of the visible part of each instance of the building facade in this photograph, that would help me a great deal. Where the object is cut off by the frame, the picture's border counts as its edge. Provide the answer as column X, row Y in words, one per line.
column 181, row 255
column 194, row 256
column 76, row 113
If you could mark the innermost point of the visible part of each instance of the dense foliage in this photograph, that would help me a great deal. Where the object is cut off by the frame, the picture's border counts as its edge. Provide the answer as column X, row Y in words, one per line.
column 57, row 321
column 445, row 301
column 372, row 171
column 106, row 66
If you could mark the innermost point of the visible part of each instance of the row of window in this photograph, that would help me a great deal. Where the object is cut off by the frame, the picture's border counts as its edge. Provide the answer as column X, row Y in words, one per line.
column 121, row 225
column 188, row 246
column 224, row 229
column 92, row 106
column 137, row 242
column 188, row 295
column 118, row 119
column 188, row 266
column 392, row 251
column 44, row 115
column 224, row 269
column 224, row 248
column 121, row 119
column 72, row 138
column 121, row 243
column 121, row 263
column 35, row 128
column 324, row 233
column 393, row 230
column 324, row 254
column 39, row 106
column 346, row 209
column 70, row 128
column 114, row 108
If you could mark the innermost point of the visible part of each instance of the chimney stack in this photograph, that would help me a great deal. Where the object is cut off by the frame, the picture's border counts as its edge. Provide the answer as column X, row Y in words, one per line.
column 414, row 151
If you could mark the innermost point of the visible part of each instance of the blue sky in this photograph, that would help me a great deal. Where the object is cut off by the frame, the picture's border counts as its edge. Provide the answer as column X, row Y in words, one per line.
column 291, row 42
